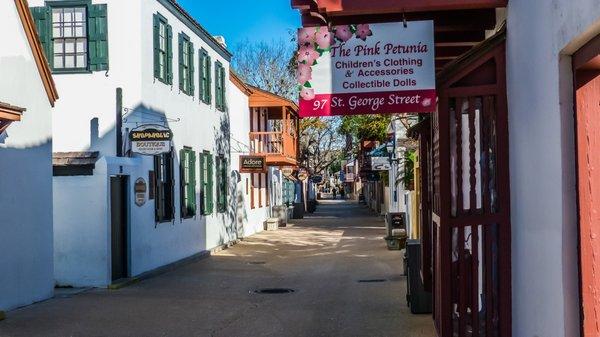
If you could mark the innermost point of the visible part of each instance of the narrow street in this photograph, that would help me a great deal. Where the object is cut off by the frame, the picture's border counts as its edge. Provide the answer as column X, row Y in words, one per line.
column 322, row 258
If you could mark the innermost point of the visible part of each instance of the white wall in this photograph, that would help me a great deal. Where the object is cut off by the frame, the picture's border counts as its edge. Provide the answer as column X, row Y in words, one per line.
column 25, row 173
column 145, row 100
column 541, row 36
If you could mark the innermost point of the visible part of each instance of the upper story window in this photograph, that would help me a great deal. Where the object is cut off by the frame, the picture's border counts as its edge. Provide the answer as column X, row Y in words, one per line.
column 186, row 65
column 220, row 98
column 74, row 36
column 163, row 50
column 205, row 77
column 69, row 37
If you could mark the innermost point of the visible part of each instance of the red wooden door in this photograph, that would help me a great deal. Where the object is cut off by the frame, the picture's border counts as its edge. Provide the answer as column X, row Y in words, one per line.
column 587, row 86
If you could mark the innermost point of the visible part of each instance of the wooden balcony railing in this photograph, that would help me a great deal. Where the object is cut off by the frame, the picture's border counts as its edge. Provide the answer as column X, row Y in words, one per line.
column 275, row 146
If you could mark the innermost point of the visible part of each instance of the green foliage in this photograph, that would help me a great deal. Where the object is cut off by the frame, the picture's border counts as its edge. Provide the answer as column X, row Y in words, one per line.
column 410, row 157
column 366, row 127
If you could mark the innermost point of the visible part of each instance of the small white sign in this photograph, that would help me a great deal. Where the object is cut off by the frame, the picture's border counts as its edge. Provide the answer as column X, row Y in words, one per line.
column 380, row 164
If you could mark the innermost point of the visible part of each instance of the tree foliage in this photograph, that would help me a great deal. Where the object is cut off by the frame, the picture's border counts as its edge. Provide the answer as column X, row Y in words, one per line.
column 320, row 144
column 269, row 66
column 366, row 127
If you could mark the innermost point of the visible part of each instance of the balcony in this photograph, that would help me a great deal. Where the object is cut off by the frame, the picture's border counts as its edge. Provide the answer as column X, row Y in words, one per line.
column 274, row 128
column 279, row 148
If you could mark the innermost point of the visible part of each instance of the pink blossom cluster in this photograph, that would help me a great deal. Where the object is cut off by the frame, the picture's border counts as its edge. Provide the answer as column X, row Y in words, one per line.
column 314, row 41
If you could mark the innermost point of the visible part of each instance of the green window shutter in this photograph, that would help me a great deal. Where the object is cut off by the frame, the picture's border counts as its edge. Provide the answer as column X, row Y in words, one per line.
column 180, row 49
column 217, row 92
column 182, row 183
column 209, row 80
column 43, row 22
column 192, row 77
column 156, row 46
column 98, row 37
column 169, row 54
column 210, row 186
column 223, row 88
column 202, row 183
column 192, row 183
column 201, row 75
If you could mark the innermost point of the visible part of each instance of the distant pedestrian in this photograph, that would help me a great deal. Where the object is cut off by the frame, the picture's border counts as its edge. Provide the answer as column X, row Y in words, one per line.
column 334, row 191
column 342, row 193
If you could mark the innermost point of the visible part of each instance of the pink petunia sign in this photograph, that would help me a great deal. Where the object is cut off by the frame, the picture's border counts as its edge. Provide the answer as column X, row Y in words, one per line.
column 366, row 69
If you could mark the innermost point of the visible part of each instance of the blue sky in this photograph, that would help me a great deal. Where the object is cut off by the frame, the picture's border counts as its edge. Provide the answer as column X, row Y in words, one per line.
column 237, row 20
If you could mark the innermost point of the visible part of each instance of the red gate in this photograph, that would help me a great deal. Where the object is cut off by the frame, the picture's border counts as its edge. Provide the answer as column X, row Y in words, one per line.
column 471, row 202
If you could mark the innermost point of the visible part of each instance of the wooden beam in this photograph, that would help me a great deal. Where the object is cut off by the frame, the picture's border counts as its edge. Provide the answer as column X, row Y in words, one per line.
column 362, row 7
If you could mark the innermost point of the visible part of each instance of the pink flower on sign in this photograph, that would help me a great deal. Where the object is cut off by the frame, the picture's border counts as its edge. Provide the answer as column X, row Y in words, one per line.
column 363, row 31
column 343, row 33
column 426, row 102
column 306, row 36
column 308, row 55
column 324, row 38
column 303, row 73
column 307, row 94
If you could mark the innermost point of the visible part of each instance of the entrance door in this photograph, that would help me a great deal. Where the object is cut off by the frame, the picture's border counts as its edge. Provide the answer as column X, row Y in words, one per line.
column 118, row 207
column 587, row 95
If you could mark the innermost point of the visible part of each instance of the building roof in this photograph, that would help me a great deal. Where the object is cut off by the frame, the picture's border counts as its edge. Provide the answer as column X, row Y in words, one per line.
column 238, row 82
column 37, row 50
column 262, row 98
column 177, row 10
column 74, row 158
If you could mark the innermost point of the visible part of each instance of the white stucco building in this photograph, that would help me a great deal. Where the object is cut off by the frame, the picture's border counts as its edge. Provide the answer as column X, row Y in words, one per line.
column 27, row 94
column 123, row 65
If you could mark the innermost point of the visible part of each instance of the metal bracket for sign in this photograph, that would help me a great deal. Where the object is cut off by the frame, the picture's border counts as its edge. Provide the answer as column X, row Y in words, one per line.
column 404, row 20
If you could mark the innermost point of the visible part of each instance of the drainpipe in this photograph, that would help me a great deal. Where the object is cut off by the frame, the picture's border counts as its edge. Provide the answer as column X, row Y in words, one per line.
column 119, row 123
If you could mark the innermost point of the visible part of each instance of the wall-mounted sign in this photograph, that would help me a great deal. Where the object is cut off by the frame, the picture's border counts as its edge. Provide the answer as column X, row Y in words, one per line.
column 287, row 171
column 140, row 189
column 366, row 69
column 151, row 139
column 380, row 164
column 253, row 164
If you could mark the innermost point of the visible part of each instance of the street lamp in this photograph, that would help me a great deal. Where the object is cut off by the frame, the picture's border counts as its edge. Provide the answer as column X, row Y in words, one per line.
column 391, row 147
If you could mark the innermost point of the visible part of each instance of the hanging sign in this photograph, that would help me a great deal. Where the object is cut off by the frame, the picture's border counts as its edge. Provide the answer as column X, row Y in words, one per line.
column 253, row 164
column 151, row 139
column 380, row 164
column 140, row 189
column 366, row 69
column 302, row 175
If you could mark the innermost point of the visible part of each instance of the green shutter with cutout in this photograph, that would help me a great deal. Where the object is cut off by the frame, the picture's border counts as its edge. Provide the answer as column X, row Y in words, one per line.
column 169, row 54
column 43, row 22
column 224, row 88
column 192, row 74
column 98, row 37
column 201, row 75
column 182, row 183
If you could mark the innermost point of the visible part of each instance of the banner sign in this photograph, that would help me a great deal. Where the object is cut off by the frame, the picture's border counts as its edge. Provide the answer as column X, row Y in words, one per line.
column 151, row 139
column 253, row 164
column 366, row 69
column 380, row 164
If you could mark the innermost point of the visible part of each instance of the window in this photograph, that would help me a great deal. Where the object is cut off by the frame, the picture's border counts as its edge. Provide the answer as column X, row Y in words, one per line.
column 74, row 37
column 187, row 181
column 206, row 182
column 222, row 184
column 205, row 77
column 163, row 50
column 220, row 87
column 163, row 168
column 186, row 65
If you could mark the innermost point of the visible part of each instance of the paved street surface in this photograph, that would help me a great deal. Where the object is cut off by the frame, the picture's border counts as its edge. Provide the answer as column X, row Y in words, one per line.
column 321, row 257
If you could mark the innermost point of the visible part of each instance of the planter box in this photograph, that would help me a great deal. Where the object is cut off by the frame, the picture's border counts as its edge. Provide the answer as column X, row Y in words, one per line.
column 272, row 224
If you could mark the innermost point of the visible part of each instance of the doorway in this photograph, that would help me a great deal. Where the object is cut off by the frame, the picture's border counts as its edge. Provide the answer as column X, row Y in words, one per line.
column 119, row 226
column 586, row 79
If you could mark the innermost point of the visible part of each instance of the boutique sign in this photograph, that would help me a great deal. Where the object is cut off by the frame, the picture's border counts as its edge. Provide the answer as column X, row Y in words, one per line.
column 151, row 139
column 366, row 69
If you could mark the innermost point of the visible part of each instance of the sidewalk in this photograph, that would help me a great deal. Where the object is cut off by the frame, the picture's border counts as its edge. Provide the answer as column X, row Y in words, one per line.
column 322, row 258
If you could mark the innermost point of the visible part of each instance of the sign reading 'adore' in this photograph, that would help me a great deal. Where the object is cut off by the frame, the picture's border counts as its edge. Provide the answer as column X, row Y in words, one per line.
column 366, row 69
column 151, row 139
column 253, row 164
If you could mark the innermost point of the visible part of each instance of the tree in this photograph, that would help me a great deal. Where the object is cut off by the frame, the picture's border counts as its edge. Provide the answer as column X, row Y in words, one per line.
column 320, row 145
column 268, row 66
